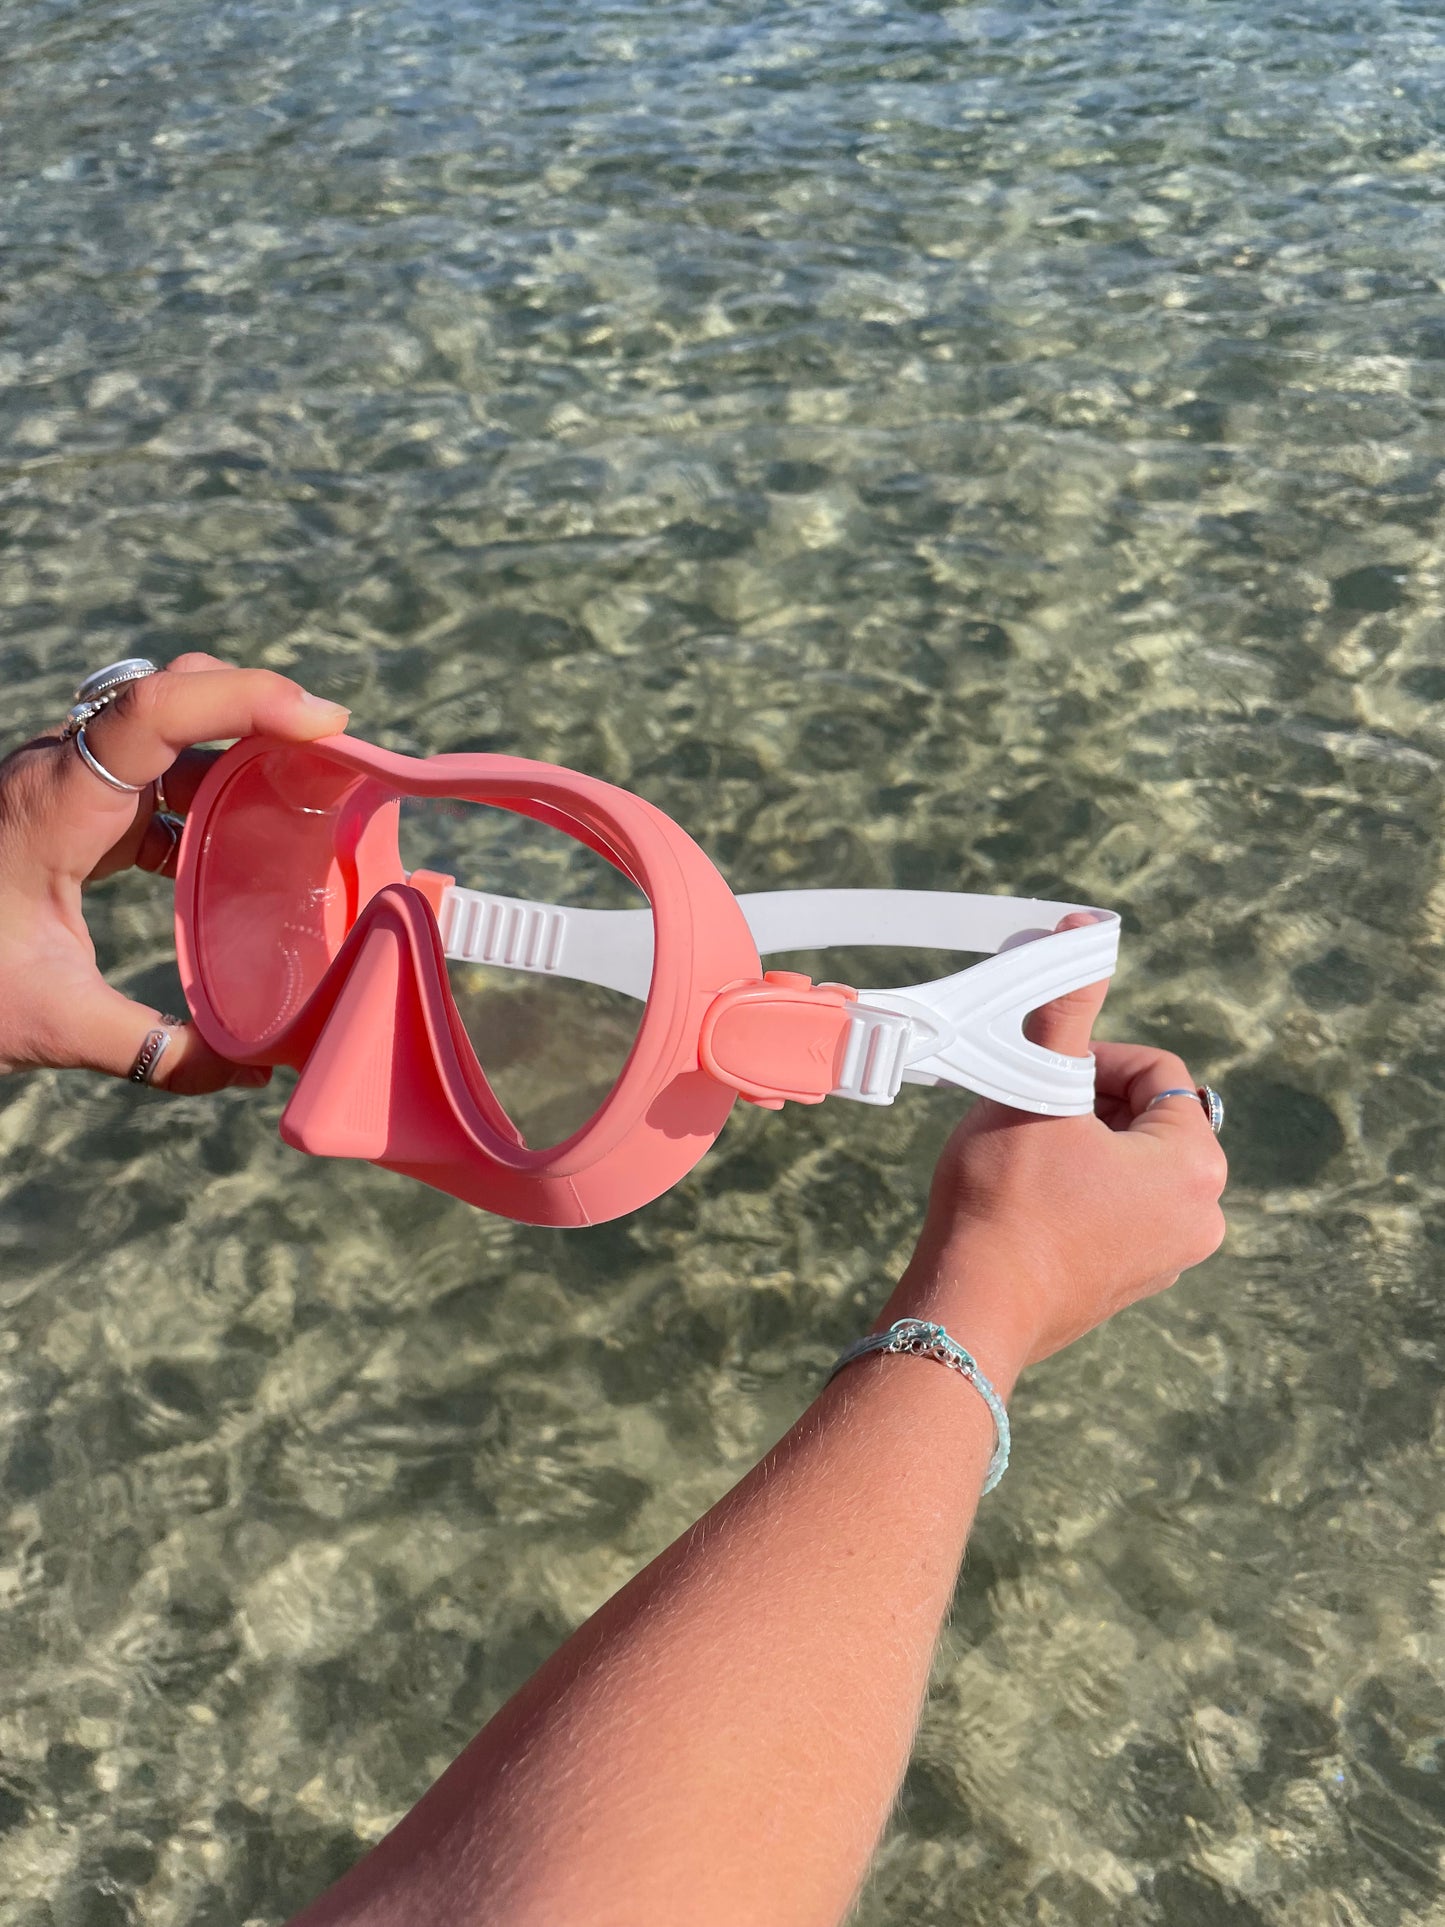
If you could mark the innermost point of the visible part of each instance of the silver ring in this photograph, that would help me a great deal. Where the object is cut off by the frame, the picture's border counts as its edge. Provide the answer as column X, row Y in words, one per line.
column 174, row 823
column 1203, row 1095
column 1178, row 1091
column 100, row 688
column 173, row 826
column 115, row 676
column 150, row 1054
column 97, row 768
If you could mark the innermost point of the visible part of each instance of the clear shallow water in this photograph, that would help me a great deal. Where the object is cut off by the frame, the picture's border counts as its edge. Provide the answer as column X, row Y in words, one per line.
column 998, row 446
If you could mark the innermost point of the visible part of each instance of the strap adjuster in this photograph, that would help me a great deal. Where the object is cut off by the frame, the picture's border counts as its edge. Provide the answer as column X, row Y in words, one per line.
column 879, row 1046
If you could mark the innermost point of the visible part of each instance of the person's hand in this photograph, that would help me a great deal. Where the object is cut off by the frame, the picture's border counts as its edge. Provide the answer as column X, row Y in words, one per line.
column 1039, row 1229
column 61, row 827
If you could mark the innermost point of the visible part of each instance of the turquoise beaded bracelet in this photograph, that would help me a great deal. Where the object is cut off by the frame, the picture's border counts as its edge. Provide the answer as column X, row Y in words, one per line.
column 920, row 1339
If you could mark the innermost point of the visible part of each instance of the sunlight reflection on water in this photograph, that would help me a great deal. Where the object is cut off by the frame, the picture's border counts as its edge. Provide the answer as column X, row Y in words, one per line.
column 981, row 446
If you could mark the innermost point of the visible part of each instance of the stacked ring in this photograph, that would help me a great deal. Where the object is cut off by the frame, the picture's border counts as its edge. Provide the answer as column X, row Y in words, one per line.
column 98, row 692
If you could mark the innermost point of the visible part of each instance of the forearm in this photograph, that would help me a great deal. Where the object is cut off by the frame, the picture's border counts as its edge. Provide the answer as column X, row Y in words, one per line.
column 722, row 1741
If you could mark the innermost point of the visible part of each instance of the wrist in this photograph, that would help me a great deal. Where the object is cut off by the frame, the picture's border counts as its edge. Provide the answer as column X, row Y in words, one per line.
column 981, row 1295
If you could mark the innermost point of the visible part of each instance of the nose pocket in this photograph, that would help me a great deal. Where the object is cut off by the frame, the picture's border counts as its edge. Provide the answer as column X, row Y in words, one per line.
column 373, row 1086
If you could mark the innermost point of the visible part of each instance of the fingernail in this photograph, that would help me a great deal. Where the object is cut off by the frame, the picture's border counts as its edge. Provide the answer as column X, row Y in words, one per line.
column 322, row 707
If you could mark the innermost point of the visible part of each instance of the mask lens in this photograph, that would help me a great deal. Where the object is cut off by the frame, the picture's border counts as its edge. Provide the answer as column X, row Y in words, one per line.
column 551, row 1039
column 276, row 886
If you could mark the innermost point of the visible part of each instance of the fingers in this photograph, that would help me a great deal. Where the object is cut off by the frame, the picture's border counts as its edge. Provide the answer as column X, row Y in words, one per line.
column 189, row 1067
column 159, row 847
column 1133, row 1076
column 159, row 844
column 192, row 660
column 1129, row 1076
column 148, row 841
column 1066, row 1025
column 140, row 735
column 1136, row 1072
column 185, row 776
column 104, row 1031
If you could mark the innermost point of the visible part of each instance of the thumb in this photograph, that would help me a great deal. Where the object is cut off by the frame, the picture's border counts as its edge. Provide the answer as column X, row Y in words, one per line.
column 106, row 1031
column 1066, row 1025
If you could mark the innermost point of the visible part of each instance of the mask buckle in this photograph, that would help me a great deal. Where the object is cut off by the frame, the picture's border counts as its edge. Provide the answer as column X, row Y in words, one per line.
column 780, row 1040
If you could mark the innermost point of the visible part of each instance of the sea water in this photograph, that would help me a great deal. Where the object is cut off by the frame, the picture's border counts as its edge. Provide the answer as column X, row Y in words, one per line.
column 983, row 447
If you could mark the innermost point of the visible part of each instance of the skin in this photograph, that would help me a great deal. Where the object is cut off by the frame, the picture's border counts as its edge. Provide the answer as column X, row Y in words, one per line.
column 722, row 1741
column 61, row 828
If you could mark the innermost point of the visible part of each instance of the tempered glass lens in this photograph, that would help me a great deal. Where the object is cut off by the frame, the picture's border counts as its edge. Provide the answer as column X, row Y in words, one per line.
column 536, row 986
column 274, row 891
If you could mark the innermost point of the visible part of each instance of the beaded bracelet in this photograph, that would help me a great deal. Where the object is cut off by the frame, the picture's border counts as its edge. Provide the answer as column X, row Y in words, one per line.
column 920, row 1339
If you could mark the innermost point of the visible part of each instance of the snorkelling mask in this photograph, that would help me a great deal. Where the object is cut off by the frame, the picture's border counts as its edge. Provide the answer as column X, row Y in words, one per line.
column 303, row 941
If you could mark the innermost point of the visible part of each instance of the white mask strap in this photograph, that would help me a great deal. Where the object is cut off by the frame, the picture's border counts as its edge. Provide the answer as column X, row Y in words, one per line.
column 965, row 1029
